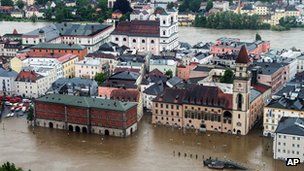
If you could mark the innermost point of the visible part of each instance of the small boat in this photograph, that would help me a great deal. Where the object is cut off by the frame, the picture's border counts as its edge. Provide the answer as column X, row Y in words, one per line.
column 222, row 164
column 7, row 103
column 23, row 109
column 18, row 109
column 12, row 109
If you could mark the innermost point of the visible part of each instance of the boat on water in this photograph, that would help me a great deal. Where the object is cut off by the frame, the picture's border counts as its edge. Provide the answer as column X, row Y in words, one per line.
column 222, row 164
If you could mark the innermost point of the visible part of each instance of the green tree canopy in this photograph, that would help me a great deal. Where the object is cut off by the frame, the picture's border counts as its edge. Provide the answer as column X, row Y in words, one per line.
column 9, row 167
column 123, row 6
column 227, row 77
column 30, row 115
column 7, row 3
column 20, row 4
column 100, row 78
column 258, row 37
column 195, row 5
column 209, row 5
column 169, row 73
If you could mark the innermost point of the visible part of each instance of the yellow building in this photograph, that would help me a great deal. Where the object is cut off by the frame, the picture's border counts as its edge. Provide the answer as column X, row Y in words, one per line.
column 16, row 63
column 68, row 65
column 186, row 19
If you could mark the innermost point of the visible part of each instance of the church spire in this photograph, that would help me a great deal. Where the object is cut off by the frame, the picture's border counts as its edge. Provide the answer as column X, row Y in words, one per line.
column 243, row 57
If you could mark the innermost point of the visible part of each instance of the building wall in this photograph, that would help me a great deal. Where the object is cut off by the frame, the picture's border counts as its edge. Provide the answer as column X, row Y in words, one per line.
column 288, row 146
column 32, row 89
column 69, row 68
column 90, row 120
column 272, row 116
column 167, row 114
column 16, row 64
column 9, row 83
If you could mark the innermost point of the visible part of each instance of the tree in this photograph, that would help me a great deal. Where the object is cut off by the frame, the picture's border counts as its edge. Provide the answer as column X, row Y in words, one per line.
column 170, row 5
column 41, row 2
column 195, row 5
column 123, row 6
column 34, row 18
column 125, row 17
column 209, row 5
column 20, row 4
column 169, row 73
column 258, row 37
column 100, row 78
column 227, row 77
column 30, row 115
column 7, row 3
column 9, row 167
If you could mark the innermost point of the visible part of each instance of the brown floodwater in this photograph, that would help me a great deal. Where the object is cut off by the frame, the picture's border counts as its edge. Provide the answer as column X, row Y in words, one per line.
column 150, row 148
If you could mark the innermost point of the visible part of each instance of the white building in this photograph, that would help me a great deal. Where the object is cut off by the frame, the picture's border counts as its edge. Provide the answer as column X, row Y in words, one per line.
column 89, row 35
column 278, row 108
column 31, row 84
column 163, row 64
column 153, row 35
column 7, row 81
column 89, row 67
column 288, row 139
column 300, row 66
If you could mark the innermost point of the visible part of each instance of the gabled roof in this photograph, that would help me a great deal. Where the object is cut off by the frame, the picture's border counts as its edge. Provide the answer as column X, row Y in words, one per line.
column 243, row 57
column 28, row 76
column 138, row 28
column 8, row 73
column 60, row 46
column 125, row 95
column 155, row 89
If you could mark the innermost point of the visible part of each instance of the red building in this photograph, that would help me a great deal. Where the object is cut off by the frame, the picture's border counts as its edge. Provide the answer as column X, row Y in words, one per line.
column 86, row 114
column 46, row 49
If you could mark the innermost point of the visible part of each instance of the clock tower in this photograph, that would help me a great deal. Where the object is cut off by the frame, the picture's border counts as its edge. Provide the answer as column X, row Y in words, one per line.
column 241, row 93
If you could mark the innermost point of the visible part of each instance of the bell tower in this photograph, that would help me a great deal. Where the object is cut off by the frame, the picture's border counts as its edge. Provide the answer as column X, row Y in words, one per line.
column 241, row 93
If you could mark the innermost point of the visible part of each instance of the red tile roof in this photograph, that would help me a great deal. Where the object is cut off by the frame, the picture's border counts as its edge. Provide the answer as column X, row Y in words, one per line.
column 125, row 95
column 243, row 57
column 156, row 72
column 261, row 87
column 28, row 76
column 138, row 28
column 126, row 69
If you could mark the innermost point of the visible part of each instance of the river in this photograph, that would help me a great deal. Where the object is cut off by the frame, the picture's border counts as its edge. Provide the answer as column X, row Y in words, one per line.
column 192, row 35
column 150, row 148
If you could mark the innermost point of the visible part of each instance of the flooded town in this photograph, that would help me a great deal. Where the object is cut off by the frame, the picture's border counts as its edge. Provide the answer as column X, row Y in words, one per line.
column 151, row 85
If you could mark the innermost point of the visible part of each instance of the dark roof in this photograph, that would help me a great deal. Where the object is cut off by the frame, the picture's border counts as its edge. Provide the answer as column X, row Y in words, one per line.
column 291, row 126
column 243, row 57
column 267, row 68
column 125, row 75
column 87, row 102
column 155, row 89
column 286, row 103
column 197, row 95
column 138, row 28
column 101, row 55
column 8, row 73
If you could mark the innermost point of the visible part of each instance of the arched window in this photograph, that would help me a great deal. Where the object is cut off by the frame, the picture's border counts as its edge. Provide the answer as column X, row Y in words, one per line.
column 124, row 39
column 143, row 41
column 134, row 40
column 152, row 41
column 239, row 101
column 116, row 39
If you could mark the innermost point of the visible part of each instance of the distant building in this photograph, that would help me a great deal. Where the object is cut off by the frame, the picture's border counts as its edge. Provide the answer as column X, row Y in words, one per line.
column 226, row 45
column 153, row 35
column 89, row 35
column 289, row 139
column 9, row 48
column 86, row 115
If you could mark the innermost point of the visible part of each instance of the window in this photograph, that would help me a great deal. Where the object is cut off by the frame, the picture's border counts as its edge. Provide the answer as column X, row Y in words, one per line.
column 143, row 41
column 134, row 40
column 116, row 39
column 152, row 41
column 124, row 39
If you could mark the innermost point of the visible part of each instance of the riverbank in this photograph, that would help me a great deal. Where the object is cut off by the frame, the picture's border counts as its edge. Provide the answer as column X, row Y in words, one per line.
column 193, row 35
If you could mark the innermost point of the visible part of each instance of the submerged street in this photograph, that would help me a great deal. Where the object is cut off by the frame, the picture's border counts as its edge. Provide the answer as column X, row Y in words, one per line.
column 150, row 148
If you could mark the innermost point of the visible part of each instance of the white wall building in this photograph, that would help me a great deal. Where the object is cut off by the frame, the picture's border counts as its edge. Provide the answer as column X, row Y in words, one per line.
column 88, row 68
column 288, row 139
column 31, row 84
column 7, row 81
column 163, row 65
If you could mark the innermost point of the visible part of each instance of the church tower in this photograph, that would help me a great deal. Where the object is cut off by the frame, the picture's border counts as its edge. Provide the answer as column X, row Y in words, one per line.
column 241, row 93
